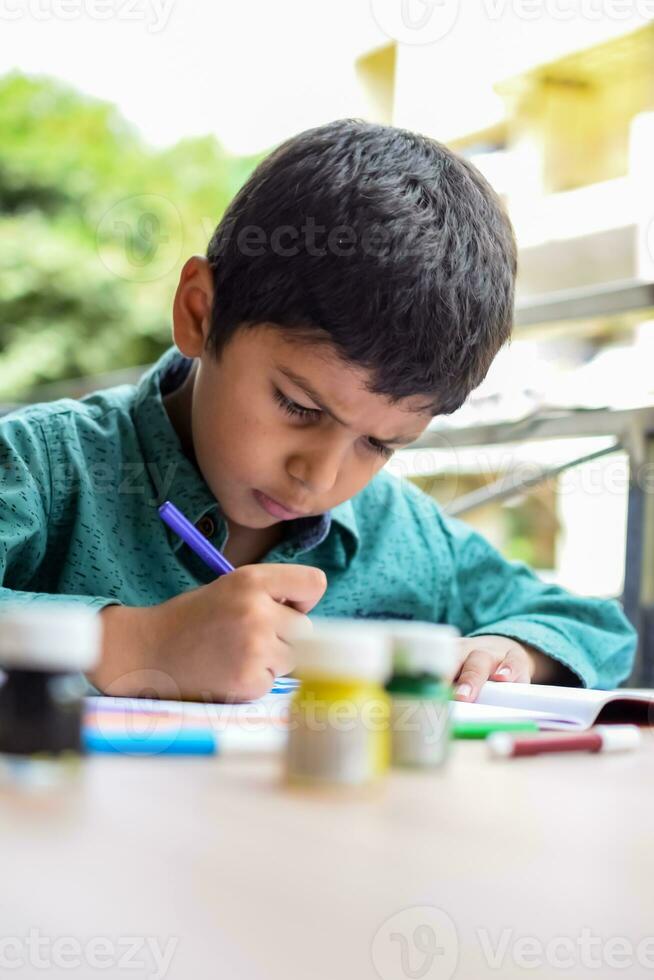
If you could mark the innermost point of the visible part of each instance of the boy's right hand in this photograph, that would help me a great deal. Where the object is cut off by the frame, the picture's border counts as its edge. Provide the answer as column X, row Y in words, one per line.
column 226, row 641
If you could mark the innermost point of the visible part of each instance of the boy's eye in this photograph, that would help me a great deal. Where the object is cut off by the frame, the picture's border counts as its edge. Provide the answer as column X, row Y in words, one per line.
column 293, row 408
column 301, row 411
column 380, row 448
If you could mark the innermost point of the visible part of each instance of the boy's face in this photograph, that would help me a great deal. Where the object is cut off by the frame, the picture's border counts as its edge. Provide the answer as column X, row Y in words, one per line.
column 263, row 461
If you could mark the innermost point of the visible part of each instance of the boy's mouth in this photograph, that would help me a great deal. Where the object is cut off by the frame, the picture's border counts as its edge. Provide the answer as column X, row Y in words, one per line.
column 274, row 508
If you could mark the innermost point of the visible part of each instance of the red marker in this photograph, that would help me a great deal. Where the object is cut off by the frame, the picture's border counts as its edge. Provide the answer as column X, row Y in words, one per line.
column 602, row 738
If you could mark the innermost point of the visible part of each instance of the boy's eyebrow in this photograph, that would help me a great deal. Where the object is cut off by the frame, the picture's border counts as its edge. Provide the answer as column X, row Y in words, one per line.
column 308, row 390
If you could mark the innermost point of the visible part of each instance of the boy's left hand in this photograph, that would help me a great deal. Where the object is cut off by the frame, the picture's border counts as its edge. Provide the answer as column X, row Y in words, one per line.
column 497, row 658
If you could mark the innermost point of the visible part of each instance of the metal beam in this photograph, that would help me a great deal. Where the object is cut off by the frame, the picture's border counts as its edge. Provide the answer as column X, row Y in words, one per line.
column 584, row 304
column 512, row 484
column 563, row 424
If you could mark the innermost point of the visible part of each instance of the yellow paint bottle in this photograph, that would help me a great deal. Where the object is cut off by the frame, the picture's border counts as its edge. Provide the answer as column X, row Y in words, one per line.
column 339, row 722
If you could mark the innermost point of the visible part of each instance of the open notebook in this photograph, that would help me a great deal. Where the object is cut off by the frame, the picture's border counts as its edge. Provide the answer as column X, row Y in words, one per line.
column 557, row 707
column 263, row 724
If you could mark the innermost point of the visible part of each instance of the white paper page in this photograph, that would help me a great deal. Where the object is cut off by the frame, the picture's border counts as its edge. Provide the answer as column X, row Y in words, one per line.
column 576, row 704
column 250, row 716
column 464, row 711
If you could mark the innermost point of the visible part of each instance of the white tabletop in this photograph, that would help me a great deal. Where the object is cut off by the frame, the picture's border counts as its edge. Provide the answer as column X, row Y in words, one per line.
column 542, row 861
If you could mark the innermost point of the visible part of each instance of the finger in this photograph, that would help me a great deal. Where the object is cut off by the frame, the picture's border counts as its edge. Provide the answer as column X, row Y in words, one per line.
column 287, row 622
column 282, row 659
column 301, row 586
column 514, row 667
column 474, row 672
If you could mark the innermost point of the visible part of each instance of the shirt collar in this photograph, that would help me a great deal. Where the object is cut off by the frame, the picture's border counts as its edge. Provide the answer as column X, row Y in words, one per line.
column 175, row 477
column 345, row 516
column 172, row 474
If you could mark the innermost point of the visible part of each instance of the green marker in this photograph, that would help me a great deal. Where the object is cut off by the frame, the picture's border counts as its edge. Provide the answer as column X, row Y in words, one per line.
column 480, row 729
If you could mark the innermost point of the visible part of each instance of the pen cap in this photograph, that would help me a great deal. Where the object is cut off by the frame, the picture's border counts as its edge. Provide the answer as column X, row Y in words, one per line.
column 425, row 648
column 346, row 649
column 48, row 636
column 618, row 738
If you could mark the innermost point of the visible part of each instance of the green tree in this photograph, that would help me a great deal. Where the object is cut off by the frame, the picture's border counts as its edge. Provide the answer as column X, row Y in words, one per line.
column 94, row 226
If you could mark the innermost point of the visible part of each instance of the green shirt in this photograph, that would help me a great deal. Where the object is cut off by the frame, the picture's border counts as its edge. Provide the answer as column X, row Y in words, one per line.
column 81, row 482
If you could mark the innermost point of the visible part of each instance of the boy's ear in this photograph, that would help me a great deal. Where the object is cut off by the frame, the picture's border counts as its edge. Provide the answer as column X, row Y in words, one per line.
column 192, row 306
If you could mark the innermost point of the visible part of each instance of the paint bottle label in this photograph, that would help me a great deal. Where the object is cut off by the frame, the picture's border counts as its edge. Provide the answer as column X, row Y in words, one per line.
column 420, row 731
column 349, row 750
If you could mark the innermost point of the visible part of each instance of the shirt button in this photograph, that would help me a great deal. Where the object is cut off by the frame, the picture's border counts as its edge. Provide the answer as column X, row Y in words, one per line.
column 206, row 526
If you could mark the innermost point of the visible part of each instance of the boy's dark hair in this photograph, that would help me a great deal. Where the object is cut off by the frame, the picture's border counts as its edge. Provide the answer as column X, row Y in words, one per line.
column 380, row 242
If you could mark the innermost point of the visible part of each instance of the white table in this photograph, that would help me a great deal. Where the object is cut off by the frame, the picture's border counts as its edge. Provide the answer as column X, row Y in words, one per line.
column 252, row 880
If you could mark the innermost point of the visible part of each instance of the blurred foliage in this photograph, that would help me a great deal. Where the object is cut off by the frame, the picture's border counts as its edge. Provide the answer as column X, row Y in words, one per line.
column 524, row 529
column 94, row 228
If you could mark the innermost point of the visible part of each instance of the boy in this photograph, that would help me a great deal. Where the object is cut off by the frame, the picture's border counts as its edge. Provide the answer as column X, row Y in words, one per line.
column 360, row 283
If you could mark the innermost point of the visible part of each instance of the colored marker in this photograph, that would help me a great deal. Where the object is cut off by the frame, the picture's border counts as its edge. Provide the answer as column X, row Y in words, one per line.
column 204, row 549
column 185, row 741
column 196, row 541
column 602, row 738
column 480, row 729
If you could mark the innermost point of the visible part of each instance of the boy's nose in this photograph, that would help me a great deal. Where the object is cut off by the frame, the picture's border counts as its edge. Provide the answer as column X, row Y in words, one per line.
column 317, row 470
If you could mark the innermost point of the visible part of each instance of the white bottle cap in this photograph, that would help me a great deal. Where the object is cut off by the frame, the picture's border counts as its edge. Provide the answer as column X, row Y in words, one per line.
column 616, row 738
column 500, row 744
column 44, row 636
column 425, row 648
column 342, row 648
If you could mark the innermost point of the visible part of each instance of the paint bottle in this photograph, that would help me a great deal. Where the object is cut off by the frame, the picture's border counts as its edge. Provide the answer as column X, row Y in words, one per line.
column 339, row 720
column 44, row 648
column 424, row 659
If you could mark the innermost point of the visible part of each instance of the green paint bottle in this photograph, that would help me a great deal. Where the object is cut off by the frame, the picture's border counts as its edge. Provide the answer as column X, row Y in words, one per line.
column 424, row 657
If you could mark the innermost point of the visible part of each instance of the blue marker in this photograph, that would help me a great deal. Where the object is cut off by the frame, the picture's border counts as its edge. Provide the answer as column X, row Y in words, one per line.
column 196, row 541
column 187, row 741
column 216, row 561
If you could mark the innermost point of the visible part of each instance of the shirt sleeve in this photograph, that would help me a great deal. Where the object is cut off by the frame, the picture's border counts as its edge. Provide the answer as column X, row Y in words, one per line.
column 25, row 504
column 484, row 593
